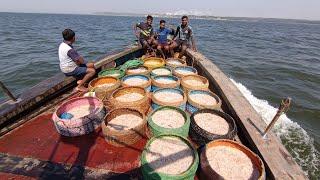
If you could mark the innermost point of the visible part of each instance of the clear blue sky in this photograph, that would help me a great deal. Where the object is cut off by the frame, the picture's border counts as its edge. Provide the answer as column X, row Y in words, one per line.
column 296, row 9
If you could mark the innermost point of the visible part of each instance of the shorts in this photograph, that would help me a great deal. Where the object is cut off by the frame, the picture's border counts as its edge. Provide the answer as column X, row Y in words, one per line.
column 79, row 72
column 182, row 43
column 142, row 40
column 162, row 44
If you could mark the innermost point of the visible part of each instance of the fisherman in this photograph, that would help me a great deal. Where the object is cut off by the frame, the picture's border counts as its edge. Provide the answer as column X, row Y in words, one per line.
column 72, row 64
column 162, row 37
column 182, row 37
column 146, row 35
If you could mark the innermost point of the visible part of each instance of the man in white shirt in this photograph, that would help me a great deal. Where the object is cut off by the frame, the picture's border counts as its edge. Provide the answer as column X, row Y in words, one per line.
column 71, row 63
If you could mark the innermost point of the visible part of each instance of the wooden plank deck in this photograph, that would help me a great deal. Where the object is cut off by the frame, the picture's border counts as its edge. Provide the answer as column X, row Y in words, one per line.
column 35, row 149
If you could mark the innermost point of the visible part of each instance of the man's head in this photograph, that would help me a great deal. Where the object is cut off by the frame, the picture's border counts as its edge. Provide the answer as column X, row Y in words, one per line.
column 68, row 35
column 162, row 24
column 149, row 20
column 184, row 20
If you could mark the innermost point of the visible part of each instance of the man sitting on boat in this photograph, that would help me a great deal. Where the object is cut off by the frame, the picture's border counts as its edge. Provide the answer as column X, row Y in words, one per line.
column 162, row 35
column 146, row 35
column 182, row 37
column 71, row 63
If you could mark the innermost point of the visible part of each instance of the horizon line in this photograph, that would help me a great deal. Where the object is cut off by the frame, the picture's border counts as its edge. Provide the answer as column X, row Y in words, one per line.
column 143, row 14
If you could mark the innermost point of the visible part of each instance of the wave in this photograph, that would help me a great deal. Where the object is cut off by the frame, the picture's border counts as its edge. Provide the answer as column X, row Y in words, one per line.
column 293, row 136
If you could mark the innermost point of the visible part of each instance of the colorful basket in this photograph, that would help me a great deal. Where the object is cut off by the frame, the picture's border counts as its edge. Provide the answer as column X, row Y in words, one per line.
column 82, row 125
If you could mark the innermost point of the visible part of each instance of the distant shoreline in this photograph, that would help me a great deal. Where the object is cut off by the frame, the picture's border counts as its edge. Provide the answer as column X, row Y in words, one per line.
column 212, row 17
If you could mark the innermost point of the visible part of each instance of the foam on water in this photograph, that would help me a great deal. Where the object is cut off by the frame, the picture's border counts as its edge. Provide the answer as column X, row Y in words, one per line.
column 292, row 135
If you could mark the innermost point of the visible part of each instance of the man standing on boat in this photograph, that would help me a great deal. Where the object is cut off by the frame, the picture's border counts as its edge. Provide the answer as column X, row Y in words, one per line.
column 71, row 63
column 182, row 37
column 146, row 35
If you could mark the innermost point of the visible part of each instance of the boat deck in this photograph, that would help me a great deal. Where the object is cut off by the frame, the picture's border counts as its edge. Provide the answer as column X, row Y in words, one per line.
column 38, row 141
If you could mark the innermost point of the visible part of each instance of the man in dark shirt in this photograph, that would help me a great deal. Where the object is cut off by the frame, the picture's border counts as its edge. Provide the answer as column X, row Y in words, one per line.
column 71, row 63
column 146, row 34
column 183, row 36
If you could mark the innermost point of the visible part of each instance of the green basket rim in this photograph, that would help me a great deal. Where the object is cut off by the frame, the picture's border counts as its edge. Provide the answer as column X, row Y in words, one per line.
column 191, row 170
column 168, row 130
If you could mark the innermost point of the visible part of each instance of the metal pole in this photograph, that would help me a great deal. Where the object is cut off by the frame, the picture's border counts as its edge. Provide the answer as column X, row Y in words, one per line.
column 7, row 92
column 284, row 106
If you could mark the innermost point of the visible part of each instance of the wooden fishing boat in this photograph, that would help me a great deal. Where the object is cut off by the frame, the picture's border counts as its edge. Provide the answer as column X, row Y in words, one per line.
column 31, row 147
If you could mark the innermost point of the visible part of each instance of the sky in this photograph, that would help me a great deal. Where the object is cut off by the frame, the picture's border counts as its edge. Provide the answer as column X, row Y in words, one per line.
column 291, row 9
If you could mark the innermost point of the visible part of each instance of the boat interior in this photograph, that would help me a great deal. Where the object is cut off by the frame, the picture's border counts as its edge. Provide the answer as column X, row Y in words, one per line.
column 31, row 147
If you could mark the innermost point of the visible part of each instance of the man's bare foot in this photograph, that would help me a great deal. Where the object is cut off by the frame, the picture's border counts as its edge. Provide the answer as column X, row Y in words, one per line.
column 153, row 54
column 81, row 88
column 79, row 81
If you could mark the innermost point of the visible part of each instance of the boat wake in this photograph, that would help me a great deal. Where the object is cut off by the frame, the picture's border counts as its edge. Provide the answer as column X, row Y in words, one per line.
column 293, row 136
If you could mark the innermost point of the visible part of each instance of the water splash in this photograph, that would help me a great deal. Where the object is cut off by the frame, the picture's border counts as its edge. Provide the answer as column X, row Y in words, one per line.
column 293, row 136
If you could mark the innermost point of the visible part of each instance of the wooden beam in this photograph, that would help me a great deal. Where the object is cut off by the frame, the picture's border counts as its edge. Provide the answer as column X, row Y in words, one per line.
column 7, row 92
column 277, row 159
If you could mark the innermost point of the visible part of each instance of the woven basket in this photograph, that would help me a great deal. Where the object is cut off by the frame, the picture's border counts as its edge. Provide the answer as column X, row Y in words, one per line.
column 153, row 62
column 175, row 62
column 80, row 126
column 130, row 71
column 149, row 173
column 158, row 130
column 153, row 72
column 201, row 136
column 122, row 138
column 148, row 132
column 102, row 92
column 206, row 172
column 158, row 102
column 187, row 87
column 156, row 85
column 142, row 105
column 184, row 68
column 146, row 85
column 193, row 106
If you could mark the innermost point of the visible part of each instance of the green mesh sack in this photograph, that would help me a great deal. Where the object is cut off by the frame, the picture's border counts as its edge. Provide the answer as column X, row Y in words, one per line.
column 114, row 72
column 131, row 63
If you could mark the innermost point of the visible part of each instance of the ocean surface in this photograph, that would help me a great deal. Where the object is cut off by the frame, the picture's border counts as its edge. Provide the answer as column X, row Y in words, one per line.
column 267, row 59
